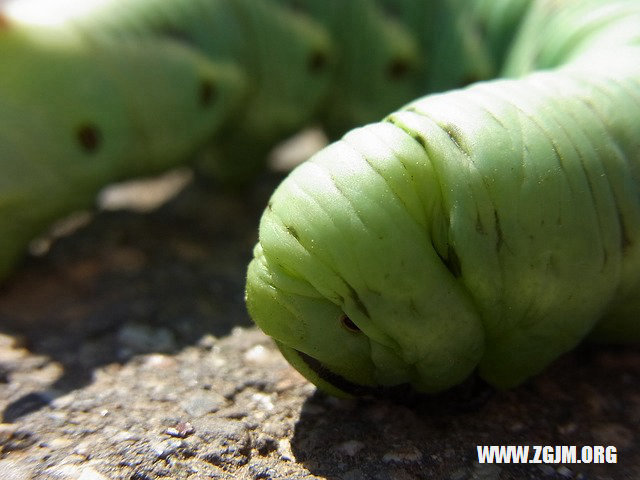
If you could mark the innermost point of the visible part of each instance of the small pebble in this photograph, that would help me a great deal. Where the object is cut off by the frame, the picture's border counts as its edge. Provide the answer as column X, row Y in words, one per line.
column 181, row 430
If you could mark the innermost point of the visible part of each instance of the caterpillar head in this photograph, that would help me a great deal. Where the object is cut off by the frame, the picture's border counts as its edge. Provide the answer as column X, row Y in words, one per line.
column 346, row 277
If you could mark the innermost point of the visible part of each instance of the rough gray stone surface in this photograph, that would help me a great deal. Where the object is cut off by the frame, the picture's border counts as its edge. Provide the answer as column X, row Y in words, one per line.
column 126, row 354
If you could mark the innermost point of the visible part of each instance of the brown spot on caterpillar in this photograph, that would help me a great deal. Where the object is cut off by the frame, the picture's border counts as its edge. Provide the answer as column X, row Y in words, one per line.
column 348, row 324
column 293, row 232
column 415, row 135
column 207, row 92
column 398, row 68
column 456, row 137
column 89, row 137
column 317, row 61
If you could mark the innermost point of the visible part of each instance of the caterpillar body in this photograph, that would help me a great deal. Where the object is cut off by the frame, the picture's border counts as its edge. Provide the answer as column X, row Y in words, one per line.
column 487, row 229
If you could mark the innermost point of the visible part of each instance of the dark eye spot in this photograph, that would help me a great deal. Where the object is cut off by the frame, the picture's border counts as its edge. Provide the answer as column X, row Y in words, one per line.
column 398, row 68
column 317, row 61
column 89, row 137
column 207, row 92
column 348, row 324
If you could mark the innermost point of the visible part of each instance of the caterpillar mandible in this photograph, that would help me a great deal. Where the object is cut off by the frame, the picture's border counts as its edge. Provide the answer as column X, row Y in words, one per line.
column 486, row 229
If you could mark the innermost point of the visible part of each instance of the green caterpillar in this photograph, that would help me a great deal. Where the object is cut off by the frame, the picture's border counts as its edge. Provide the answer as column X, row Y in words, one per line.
column 486, row 229
column 61, row 141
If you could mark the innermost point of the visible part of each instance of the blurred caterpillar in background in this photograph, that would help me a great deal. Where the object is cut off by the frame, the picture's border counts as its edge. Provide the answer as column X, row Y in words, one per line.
column 77, row 116
column 487, row 229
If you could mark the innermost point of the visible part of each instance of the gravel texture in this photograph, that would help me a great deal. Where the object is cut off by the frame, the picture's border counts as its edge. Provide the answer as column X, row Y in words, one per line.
column 126, row 353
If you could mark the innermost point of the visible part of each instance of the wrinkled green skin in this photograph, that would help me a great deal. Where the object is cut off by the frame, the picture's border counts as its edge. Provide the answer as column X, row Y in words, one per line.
column 487, row 230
